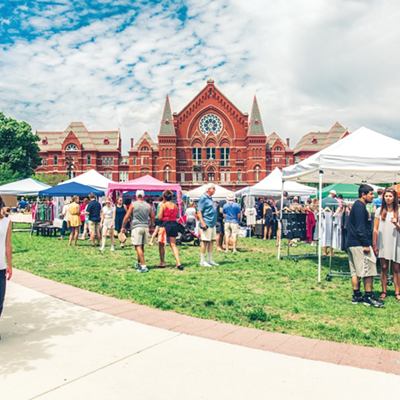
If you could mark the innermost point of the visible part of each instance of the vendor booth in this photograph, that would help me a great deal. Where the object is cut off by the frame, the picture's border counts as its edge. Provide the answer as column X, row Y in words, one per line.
column 146, row 183
column 364, row 156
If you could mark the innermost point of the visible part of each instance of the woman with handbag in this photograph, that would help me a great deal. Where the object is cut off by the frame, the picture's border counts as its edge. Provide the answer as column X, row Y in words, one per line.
column 119, row 215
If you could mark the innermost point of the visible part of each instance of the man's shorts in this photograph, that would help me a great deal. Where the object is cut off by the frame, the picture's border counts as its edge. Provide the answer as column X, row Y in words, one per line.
column 362, row 264
column 139, row 235
column 208, row 235
column 94, row 227
column 220, row 228
column 231, row 229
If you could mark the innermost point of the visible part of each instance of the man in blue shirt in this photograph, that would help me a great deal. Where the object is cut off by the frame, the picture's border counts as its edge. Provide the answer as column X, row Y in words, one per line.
column 378, row 201
column 93, row 209
column 22, row 204
column 231, row 212
column 207, row 212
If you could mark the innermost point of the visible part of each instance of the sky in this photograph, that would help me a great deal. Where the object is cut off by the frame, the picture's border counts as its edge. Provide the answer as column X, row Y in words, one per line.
column 110, row 64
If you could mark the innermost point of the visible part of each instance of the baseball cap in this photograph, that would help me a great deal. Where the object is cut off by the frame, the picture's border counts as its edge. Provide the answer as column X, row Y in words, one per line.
column 230, row 197
column 333, row 192
column 139, row 193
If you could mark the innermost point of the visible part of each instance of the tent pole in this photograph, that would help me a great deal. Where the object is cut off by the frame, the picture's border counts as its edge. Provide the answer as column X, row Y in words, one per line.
column 320, row 225
column 280, row 221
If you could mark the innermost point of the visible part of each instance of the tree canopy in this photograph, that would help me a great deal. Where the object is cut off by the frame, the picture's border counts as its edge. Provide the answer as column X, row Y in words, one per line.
column 19, row 151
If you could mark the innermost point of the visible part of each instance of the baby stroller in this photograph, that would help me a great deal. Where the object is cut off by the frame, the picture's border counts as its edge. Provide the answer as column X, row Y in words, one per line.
column 185, row 235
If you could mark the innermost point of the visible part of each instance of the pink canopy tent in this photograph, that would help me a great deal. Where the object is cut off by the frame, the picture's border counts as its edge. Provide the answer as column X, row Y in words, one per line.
column 146, row 183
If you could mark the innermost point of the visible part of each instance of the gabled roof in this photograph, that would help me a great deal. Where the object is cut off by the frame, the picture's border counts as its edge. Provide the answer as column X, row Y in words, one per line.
column 210, row 85
column 167, row 123
column 273, row 137
column 316, row 141
column 145, row 137
column 256, row 126
column 90, row 140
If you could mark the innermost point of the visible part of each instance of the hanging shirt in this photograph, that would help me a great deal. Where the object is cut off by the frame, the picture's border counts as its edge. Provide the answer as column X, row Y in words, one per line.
column 250, row 214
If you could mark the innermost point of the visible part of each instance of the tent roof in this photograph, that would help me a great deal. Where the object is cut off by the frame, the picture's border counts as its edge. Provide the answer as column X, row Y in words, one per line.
column 70, row 189
column 364, row 156
column 91, row 178
column 146, row 183
column 272, row 186
column 220, row 192
column 24, row 187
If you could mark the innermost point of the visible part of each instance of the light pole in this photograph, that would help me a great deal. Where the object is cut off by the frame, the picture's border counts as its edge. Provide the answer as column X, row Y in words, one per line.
column 69, row 162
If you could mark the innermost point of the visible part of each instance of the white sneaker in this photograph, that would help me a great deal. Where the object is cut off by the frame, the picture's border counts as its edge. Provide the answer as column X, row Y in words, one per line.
column 112, row 248
column 213, row 263
column 205, row 264
column 101, row 248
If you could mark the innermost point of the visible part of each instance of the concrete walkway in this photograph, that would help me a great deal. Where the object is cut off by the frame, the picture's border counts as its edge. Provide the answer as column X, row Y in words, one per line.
column 54, row 349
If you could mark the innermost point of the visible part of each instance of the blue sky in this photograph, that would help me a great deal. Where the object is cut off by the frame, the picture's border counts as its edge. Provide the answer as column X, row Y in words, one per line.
column 110, row 64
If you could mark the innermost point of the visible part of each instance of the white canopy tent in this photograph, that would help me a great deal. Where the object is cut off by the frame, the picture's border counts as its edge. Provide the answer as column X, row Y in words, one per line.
column 24, row 187
column 93, row 179
column 364, row 156
column 272, row 186
column 220, row 192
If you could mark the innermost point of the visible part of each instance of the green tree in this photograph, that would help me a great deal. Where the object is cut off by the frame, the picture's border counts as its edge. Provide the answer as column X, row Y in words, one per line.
column 7, row 175
column 19, row 150
column 50, row 179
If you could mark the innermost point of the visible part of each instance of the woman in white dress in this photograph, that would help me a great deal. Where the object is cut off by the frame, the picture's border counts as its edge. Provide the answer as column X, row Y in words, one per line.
column 107, row 223
column 386, row 238
column 5, row 253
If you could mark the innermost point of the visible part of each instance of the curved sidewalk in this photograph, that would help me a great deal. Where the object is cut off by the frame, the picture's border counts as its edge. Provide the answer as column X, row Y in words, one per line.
column 313, row 349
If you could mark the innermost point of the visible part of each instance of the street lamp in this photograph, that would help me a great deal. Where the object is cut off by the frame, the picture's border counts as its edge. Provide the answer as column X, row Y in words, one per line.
column 69, row 162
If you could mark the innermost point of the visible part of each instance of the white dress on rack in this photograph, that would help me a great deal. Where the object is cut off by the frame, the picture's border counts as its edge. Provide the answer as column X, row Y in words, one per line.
column 337, row 231
column 326, row 229
column 388, row 238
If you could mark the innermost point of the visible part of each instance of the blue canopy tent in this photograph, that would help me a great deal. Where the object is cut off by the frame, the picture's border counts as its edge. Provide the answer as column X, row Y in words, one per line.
column 70, row 189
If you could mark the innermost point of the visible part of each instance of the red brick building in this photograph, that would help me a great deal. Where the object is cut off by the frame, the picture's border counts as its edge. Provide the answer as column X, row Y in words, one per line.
column 314, row 142
column 209, row 140
column 99, row 150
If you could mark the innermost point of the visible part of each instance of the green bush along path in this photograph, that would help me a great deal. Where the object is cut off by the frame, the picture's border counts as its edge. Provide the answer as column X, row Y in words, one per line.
column 250, row 288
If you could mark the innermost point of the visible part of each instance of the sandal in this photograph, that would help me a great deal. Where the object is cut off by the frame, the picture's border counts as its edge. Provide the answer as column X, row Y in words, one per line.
column 180, row 267
column 397, row 295
column 383, row 296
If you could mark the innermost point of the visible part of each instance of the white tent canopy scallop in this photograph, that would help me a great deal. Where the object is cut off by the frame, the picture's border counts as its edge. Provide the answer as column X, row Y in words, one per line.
column 272, row 186
column 365, row 156
column 220, row 192
column 91, row 178
column 24, row 187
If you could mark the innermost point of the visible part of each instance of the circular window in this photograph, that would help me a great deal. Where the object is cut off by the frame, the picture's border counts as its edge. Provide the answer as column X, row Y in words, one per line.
column 210, row 123
column 71, row 147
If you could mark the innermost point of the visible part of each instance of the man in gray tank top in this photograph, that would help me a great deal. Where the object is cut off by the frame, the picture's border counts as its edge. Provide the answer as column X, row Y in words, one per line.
column 141, row 211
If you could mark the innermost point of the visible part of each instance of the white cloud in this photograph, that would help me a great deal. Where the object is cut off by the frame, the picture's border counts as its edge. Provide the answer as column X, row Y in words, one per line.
column 310, row 64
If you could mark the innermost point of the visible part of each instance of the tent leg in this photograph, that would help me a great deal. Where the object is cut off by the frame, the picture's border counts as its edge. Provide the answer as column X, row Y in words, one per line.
column 280, row 221
column 320, row 226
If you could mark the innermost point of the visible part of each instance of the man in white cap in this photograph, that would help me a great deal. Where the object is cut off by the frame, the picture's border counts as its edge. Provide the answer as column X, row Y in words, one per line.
column 231, row 211
column 141, row 212
column 330, row 201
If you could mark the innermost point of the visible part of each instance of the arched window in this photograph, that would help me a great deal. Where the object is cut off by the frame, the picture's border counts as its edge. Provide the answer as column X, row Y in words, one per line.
column 239, row 176
column 55, row 160
column 239, row 155
column 144, row 148
column 182, row 155
column 257, row 174
column 166, row 174
column 88, row 159
column 278, row 148
column 71, row 147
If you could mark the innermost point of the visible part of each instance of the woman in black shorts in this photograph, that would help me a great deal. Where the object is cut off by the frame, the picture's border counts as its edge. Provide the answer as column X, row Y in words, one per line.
column 268, row 221
column 168, row 216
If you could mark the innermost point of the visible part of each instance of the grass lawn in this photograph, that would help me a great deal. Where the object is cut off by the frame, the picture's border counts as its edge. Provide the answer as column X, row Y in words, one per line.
column 250, row 288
